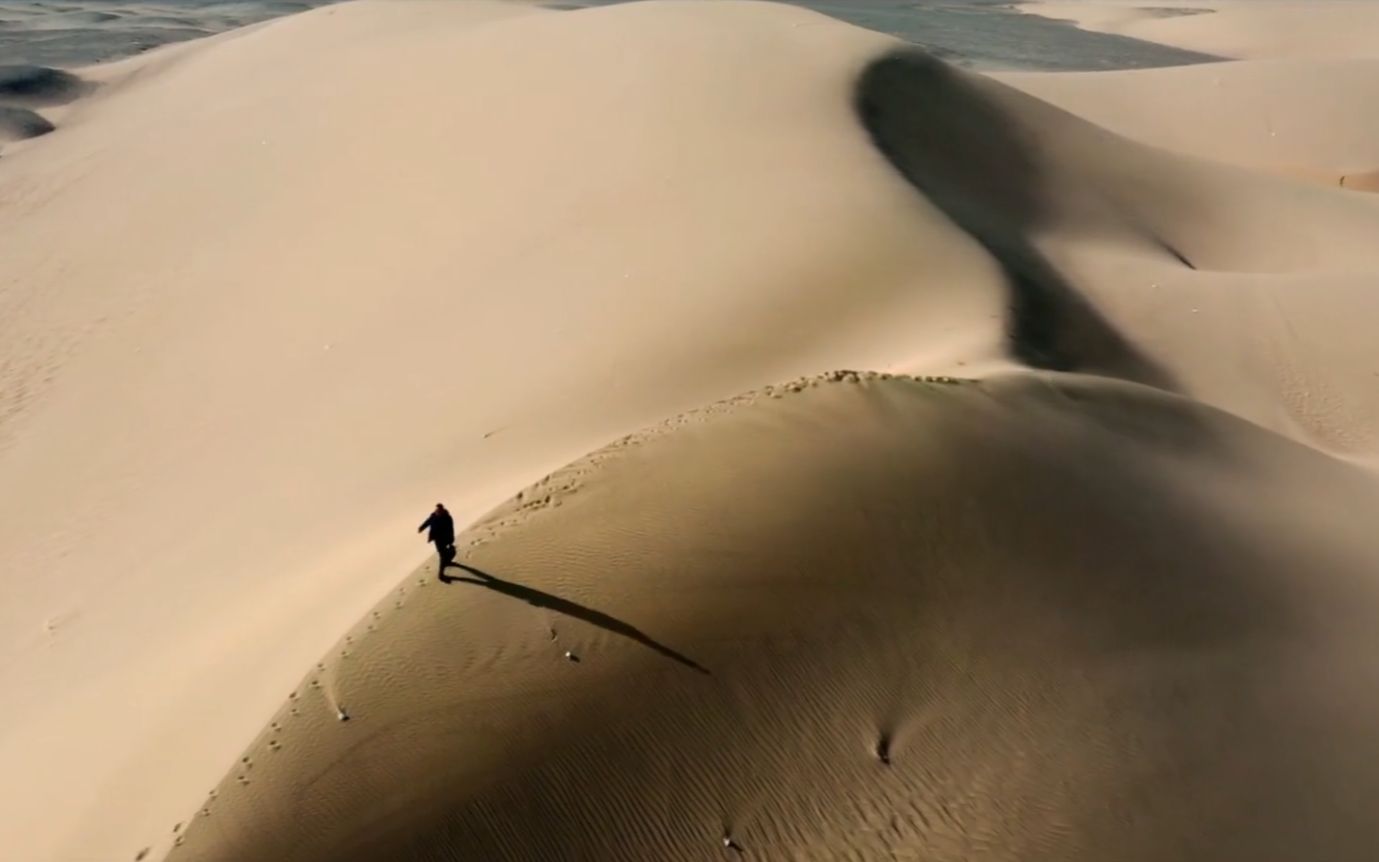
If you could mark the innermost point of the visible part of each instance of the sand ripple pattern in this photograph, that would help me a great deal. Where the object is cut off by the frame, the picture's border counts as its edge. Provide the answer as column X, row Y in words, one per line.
column 916, row 664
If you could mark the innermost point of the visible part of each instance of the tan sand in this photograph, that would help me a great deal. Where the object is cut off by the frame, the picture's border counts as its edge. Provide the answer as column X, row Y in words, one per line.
column 1297, row 109
column 267, row 296
column 1299, row 118
column 870, row 619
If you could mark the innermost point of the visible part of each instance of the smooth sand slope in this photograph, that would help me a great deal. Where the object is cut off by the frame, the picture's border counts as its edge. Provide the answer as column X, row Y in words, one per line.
column 267, row 296
column 1298, row 118
column 1295, row 107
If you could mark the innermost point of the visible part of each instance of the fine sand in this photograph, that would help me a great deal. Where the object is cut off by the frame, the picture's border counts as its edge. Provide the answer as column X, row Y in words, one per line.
column 1080, row 565
column 1297, row 118
column 1298, row 109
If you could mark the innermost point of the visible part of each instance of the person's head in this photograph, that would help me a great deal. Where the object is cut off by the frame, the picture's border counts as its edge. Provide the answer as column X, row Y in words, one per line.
column 440, row 507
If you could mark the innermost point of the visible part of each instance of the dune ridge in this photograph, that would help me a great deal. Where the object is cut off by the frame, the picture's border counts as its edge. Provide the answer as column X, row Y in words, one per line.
column 1291, row 117
column 1074, row 566
column 939, row 686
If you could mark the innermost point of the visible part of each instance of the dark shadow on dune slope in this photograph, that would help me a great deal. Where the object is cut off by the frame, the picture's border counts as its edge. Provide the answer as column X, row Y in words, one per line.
column 972, row 160
column 564, row 606
column 16, row 124
column 24, row 87
column 36, row 86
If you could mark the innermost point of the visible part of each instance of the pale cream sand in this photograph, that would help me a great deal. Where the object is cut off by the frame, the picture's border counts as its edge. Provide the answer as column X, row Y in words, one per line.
column 1300, row 118
column 267, row 296
column 1297, row 108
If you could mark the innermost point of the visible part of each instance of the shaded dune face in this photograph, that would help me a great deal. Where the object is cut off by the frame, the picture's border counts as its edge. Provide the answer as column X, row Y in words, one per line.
column 861, row 617
column 20, row 123
column 37, row 86
column 945, row 134
column 25, row 87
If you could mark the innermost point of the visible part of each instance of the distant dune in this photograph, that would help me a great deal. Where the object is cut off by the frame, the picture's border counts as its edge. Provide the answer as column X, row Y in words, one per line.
column 19, row 123
column 1244, row 29
column 70, row 33
column 35, row 86
column 1078, row 564
column 1292, row 110
column 23, row 88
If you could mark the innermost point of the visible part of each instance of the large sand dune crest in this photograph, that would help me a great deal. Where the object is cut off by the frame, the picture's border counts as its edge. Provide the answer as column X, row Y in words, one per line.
column 266, row 297
column 1019, row 620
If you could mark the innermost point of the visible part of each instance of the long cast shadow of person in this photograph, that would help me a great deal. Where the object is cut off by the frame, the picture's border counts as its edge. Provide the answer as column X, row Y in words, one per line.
column 540, row 599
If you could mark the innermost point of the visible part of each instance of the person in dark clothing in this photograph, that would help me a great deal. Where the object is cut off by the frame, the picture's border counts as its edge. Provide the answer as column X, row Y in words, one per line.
column 440, row 529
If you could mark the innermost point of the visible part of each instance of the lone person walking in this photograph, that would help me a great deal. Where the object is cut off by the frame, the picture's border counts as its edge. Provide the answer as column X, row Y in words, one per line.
column 441, row 533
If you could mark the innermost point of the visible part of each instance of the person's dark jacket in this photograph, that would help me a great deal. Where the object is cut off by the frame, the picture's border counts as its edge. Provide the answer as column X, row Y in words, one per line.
column 441, row 527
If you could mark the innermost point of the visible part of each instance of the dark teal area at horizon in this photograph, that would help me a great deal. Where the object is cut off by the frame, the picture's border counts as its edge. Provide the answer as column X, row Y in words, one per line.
column 984, row 34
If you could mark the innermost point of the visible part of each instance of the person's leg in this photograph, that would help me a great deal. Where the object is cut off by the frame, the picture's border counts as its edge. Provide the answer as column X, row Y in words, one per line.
column 441, row 555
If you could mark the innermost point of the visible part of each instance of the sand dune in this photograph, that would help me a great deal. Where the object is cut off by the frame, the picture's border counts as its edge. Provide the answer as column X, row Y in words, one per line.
column 1157, row 247
column 1027, row 619
column 1293, row 110
column 1244, row 29
column 267, row 296
column 35, row 86
column 24, row 88
column 19, row 123
column 1293, row 117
